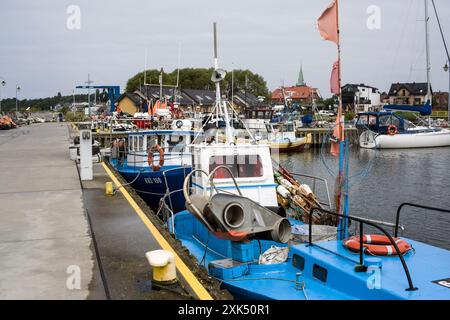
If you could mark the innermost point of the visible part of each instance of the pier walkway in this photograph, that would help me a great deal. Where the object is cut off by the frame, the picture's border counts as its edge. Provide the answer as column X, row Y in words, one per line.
column 44, row 236
column 65, row 239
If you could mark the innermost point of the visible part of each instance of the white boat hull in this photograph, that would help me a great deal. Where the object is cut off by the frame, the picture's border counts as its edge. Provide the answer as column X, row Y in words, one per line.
column 371, row 140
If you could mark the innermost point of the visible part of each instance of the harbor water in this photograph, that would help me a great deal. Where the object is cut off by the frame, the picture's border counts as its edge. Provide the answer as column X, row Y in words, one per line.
column 382, row 180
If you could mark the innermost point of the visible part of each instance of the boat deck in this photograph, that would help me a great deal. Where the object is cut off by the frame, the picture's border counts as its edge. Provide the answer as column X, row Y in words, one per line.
column 328, row 270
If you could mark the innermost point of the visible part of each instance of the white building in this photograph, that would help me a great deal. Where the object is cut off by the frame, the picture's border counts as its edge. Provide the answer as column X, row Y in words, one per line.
column 361, row 97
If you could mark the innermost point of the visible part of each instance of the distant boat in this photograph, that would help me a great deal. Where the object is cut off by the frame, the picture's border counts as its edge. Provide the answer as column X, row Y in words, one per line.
column 282, row 137
column 387, row 130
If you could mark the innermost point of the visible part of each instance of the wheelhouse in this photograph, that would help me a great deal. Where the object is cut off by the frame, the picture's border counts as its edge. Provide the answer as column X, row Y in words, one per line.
column 251, row 166
column 380, row 122
column 280, row 130
column 174, row 143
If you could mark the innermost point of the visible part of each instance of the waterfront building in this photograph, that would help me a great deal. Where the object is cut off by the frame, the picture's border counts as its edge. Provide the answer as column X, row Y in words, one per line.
column 300, row 94
column 408, row 93
column 360, row 97
column 440, row 100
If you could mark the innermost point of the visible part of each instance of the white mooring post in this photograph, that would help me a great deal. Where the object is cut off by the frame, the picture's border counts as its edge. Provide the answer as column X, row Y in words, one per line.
column 86, row 155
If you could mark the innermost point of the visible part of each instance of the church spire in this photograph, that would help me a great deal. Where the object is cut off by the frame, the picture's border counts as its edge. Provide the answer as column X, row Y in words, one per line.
column 301, row 80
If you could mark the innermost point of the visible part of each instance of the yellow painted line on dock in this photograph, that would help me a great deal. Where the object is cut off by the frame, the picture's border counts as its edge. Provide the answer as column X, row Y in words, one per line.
column 187, row 274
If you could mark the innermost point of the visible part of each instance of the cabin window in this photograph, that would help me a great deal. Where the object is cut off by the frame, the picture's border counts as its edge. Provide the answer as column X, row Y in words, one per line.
column 289, row 128
column 298, row 262
column 176, row 143
column 320, row 273
column 140, row 143
column 152, row 140
column 242, row 166
column 388, row 120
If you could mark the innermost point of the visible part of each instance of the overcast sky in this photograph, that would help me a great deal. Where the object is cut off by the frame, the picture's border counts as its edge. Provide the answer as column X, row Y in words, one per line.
column 271, row 38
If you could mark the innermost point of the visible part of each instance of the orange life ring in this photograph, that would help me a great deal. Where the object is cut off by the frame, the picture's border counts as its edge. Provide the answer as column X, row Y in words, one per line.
column 178, row 113
column 392, row 130
column 160, row 150
column 377, row 245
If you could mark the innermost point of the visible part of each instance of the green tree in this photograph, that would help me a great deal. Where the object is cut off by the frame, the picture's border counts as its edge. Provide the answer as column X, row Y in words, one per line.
column 330, row 102
column 200, row 78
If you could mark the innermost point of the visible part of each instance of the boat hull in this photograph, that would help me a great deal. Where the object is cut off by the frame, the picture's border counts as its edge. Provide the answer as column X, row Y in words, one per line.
column 439, row 138
column 151, row 185
column 288, row 145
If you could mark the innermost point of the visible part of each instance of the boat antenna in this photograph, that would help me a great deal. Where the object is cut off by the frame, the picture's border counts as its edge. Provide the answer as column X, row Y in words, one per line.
column 217, row 77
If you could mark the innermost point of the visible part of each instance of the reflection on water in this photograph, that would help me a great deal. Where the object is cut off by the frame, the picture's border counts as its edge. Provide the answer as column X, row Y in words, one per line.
column 382, row 180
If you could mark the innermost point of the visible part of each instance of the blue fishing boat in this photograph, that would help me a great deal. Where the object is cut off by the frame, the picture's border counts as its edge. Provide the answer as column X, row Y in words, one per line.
column 233, row 227
column 316, row 270
column 155, row 162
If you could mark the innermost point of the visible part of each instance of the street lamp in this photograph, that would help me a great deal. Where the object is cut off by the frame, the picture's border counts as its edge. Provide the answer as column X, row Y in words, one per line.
column 446, row 69
column 17, row 90
column 3, row 83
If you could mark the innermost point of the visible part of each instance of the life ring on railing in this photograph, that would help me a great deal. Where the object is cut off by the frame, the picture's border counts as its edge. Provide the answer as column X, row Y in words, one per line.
column 178, row 113
column 392, row 130
column 160, row 150
column 377, row 245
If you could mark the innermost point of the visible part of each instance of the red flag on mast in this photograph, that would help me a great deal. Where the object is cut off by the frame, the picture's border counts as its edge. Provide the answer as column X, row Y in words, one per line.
column 338, row 133
column 328, row 23
column 334, row 79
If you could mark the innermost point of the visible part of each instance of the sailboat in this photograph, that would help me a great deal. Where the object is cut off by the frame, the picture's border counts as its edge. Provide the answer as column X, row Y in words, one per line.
column 387, row 130
column 231, row 225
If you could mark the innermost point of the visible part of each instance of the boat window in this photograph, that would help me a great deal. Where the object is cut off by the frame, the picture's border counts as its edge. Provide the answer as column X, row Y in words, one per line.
column 298, row 262
column 363, row 120
column 242, row 166
column 289, row 128
column 151, row 141
column 140, row 143
column 387, row 120
column 320, row 273
column 131, row 143
column 176, row 143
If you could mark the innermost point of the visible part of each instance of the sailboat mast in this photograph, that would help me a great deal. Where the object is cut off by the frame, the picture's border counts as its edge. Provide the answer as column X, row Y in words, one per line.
column 427, row 44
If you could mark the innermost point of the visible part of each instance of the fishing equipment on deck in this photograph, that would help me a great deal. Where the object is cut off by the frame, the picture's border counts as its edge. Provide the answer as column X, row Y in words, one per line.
column 274, row 255
column 377, row 245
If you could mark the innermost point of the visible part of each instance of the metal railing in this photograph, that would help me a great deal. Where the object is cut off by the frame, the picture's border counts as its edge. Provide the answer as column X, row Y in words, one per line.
column 316, row 178
column 397, row 217
column 361, row 266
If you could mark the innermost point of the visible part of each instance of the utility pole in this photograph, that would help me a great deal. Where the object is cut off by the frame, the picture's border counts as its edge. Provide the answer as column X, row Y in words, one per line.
column 17, row 90
column 89, row 82
column 3, row 83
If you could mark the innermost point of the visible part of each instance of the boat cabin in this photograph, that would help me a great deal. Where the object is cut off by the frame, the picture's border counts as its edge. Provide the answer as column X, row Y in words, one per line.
column 251, row 166
column 279, row 131
column 380, row 121
column 174, row 143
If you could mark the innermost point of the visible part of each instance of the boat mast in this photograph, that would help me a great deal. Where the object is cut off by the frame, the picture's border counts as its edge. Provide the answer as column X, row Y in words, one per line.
column 220, row 105
column 427, row 44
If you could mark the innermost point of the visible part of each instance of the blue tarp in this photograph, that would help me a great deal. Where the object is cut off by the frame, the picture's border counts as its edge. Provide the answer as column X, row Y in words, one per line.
column 424, row 110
